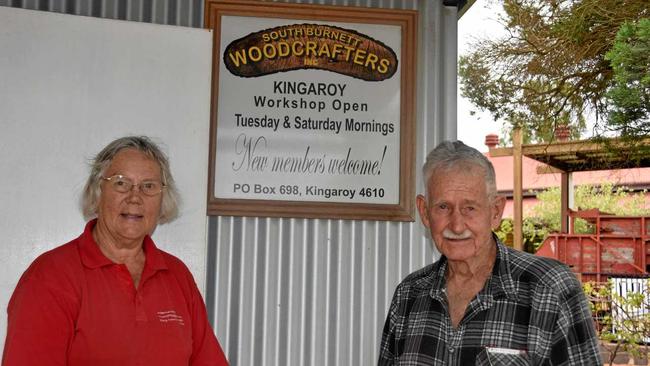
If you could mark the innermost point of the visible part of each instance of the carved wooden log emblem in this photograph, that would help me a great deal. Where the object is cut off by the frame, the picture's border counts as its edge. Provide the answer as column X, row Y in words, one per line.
column 310, row 46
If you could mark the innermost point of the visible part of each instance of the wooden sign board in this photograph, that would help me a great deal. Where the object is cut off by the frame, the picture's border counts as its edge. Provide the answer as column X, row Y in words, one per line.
column 312, row 111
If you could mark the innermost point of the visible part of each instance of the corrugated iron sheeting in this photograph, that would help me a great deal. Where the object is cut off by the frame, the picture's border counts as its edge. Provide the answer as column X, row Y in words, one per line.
column 187, row 13
column 307, row 291
column 316, row 292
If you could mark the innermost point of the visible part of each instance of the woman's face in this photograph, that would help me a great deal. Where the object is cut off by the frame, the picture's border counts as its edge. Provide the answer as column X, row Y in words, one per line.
column 129, row 216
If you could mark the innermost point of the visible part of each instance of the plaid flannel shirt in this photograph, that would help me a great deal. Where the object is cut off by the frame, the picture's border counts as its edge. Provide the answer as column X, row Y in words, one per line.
column 531, row 311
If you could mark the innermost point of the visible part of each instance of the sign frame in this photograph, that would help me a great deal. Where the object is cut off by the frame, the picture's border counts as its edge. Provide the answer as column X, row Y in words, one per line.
column 407, row 20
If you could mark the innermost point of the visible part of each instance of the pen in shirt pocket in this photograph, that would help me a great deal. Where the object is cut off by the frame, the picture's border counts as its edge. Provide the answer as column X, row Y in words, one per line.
column 505, row 351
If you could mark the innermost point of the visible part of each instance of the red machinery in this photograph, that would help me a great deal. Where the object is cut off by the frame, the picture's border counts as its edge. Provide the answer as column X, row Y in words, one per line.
column 618, row 246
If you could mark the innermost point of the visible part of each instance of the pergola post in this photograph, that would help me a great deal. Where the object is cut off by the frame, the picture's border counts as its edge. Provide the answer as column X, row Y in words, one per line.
column 562, row 134
column 566, row 200
column 517, row 193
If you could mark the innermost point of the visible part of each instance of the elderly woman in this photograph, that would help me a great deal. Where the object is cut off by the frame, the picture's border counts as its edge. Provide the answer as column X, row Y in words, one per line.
column 110, row 296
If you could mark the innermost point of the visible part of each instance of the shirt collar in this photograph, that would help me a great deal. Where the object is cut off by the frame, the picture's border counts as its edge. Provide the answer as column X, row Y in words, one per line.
column 500, row 284
column 439, row 281
column 92, row 257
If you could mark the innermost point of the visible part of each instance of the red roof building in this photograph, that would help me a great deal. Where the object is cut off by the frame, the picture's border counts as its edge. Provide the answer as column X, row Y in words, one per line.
column 636, row 179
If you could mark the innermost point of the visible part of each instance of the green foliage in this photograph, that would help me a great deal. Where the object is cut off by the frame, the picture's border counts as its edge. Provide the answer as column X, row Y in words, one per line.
column 607, row 198
column 534, row 232
column 550, row 69
column 544, row 217
column 629, row 98
column 622, row 322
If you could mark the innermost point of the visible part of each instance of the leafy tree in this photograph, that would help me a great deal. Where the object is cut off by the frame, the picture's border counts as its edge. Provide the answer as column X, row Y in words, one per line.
column 551, row 67
column 544, row 217
column 629, row 98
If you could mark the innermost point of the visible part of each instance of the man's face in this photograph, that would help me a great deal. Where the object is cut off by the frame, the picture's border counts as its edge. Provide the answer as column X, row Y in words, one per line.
column 459, row 213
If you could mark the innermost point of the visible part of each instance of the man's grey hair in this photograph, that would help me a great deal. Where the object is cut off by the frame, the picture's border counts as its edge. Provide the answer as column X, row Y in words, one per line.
column 453, row 155
column 101, row 162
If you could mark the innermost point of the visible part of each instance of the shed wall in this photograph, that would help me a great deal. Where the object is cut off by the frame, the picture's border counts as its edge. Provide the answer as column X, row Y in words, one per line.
column 307, row 291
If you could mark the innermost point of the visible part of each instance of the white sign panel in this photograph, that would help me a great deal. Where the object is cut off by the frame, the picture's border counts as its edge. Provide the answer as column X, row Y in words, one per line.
column 307, row 135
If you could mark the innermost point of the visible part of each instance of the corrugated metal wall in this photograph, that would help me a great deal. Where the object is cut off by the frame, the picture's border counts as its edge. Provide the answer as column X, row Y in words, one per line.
column 302, row 291
column 315, row 292
column 187, row 13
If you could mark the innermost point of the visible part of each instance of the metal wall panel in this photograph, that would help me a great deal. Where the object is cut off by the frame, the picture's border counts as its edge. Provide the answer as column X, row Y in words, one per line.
column 187, row 13
column 316, row 292
column 303, row 291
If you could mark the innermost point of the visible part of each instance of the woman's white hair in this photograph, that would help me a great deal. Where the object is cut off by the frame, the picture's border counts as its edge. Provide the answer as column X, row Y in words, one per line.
column 99, row 164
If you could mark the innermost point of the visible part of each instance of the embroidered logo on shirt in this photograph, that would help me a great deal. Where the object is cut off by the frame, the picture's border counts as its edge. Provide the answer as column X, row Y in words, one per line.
column 170, row 316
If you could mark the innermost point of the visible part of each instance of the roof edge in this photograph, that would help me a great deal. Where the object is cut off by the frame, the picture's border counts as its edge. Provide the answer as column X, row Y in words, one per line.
column 463, row 6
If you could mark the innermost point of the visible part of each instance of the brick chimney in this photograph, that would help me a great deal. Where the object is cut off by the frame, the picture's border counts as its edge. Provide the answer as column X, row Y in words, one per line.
column 491, row 141
column 562, row 133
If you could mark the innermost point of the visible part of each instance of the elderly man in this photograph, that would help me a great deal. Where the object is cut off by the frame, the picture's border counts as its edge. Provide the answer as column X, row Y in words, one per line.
column 482, row 303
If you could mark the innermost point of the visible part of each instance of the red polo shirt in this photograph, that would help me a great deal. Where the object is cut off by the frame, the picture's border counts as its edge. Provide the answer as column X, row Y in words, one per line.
column 73, row 306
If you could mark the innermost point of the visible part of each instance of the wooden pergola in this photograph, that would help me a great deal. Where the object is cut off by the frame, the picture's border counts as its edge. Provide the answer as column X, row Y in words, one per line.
column 566, row 157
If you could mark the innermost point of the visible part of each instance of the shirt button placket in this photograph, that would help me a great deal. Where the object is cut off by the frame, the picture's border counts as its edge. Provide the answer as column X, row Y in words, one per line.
column 454, row 343
column 140, row 314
